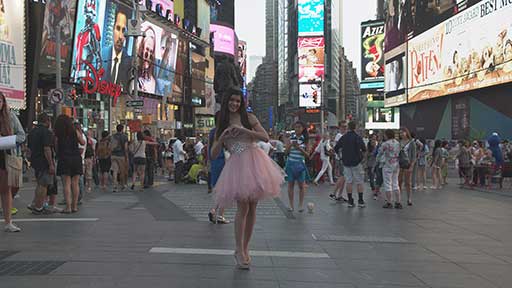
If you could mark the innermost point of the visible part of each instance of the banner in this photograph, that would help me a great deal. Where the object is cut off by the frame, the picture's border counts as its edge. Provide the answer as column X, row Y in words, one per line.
column 372, row 51
column 12, row 56
column 311, row 17
column 310, row 95
column 223, row 39
column 57, row 13
column 311, row 52
column 469, row 51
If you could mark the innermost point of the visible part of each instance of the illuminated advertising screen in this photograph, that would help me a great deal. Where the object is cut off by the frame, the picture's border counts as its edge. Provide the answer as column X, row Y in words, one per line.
column 163, row 8
column 395, row 77
column 203, row 20
column 311, row 52
column 102, row 52
column 198, row 67
column 372, row 57
column 311, row 17
column 223, row 39
column 242, row 57
column 57, row 12
column 468, row 51
column 12, row 60
column 310, row 95
column 380, row 117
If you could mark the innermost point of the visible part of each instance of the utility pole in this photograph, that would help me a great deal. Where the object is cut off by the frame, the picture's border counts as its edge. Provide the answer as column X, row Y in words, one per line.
column 58, row 71
column 134, row 54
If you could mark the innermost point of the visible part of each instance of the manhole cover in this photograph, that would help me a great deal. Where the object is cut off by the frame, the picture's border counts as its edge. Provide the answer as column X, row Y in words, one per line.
column 17, row 268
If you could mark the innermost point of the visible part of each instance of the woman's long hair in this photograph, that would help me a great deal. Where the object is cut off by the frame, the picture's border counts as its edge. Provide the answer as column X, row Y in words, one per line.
column 5, row 120
column 437, row 145
column 64, row 127
column 223, row 121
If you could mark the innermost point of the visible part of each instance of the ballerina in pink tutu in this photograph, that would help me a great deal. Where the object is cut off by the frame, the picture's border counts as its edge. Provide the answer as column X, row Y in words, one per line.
column 249, row 175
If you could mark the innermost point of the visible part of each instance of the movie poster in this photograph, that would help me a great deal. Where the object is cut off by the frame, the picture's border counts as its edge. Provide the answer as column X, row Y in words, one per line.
column 57, row 13
column 372, row 49
column 12, row 58
column 471, row 50
column 311, row 59
column 395, row 79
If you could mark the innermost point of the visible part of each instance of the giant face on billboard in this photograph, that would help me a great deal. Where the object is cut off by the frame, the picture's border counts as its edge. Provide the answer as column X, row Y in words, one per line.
column 57, row 12
column 310, row 95
column 12, row 60
column 372, row 58
column 311, row 17
column 148, row 54
column 311, row 59
column 223, row 39
column 468, row 51
column 395, row 77
column 165, row 68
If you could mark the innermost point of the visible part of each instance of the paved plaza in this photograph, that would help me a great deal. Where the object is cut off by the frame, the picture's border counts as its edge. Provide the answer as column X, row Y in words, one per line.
column 161, row 238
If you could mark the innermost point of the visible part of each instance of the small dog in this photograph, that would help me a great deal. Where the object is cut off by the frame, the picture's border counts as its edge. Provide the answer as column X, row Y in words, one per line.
column 311, row 207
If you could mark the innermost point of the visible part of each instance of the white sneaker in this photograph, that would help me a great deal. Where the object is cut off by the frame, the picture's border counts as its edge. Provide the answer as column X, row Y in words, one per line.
column 11, row 228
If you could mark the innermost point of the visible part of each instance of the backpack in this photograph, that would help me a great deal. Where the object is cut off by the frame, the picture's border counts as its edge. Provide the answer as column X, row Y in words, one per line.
column 89, row 152
column 104, row 150
column 403, row 159
column 116, row 144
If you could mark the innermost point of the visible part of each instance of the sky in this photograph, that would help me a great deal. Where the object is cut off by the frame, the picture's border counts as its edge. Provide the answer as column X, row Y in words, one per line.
column 250, row 26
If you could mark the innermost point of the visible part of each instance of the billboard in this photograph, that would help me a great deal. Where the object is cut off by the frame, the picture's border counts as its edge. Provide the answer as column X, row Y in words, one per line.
column 147, row 56
column 469, row 51
column 57, row 12
column 311, row 51
column 242, row 57
column 380, row 117
column 203, row 20
column 198, row 68
column 311, row 17
column 163, row 8
column 372, row 52
column 165, row 68
column 12, row 59
column 395, row 77
column 310, row 95
column 223, row 39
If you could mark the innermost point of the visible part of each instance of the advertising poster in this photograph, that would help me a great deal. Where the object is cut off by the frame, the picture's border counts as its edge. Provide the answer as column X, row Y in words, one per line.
column 163, row 8
column 396, row 28
column 57, row 12
column 310, row 95
column 165, row 68
column 242, row 57
column 198, row 67
column 148, row 54
column 181, row 69
column 203, row 20
column 12, row 60
column 311, row 52
column 372, row 51
column 223, row 39
column 471, row 50
column 395, row 77
column 380, row 117
column 311, row 17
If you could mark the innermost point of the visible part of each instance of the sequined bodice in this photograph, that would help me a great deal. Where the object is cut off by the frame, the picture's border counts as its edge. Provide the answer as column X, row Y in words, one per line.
column 240, row 144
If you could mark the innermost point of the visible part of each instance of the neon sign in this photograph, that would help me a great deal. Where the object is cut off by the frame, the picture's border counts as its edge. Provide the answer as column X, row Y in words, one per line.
column 92, row 83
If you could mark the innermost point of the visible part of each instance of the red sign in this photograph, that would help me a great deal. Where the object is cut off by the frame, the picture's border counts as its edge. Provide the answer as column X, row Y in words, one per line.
column 312, row 111
column 92, row 83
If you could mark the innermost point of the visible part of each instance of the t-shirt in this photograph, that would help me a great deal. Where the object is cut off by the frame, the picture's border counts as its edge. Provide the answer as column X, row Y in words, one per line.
column 352, row 148
column 265, row 146
column 39, row 138
column 323, row 147
column 118, row 144
column 198, row 147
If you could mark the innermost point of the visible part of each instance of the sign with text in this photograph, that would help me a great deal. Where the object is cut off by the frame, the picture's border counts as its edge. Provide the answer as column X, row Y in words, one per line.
column 372, row 53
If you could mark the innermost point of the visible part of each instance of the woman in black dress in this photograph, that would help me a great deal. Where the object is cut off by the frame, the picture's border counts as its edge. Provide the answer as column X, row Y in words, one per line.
column 69, row 161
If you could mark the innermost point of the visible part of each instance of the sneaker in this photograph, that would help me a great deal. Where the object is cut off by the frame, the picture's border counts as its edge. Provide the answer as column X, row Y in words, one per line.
column 361, row 203
column 36, row 211
column 222, row 220
column 387, row 205
column 398, row 206
column 332, row 197
column 341, row 199
column 14, row 211
column 30, row 207
column 54, row 209
column 375, row 196
column 12, row 228
column 351, row 203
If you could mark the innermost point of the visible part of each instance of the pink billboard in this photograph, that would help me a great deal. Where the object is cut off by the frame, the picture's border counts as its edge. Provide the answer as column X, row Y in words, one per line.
column 223, row 39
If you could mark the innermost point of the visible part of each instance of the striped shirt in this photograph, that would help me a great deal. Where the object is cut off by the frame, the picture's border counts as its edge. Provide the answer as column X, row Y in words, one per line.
column 295, row 154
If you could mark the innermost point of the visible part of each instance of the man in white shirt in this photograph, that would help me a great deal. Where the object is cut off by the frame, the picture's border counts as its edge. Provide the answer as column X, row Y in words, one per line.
column 198, row 148
column 179, row 159
column 340, row 183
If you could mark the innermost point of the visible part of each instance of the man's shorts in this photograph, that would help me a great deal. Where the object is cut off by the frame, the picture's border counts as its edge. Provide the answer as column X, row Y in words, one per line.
column 43, row 177
column 354, row 174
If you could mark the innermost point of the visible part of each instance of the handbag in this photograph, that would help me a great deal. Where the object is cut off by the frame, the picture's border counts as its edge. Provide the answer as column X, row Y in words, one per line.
column 14, row 167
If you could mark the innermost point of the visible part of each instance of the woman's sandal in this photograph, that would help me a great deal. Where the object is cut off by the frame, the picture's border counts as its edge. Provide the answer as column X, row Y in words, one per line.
column 239, row 262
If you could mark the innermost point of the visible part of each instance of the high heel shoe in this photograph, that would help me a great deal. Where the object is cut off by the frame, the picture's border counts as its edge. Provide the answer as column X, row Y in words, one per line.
column 240, row 263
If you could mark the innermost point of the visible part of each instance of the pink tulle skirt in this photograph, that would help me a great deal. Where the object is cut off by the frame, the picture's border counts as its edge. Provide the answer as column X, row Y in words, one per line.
column 248, row 176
